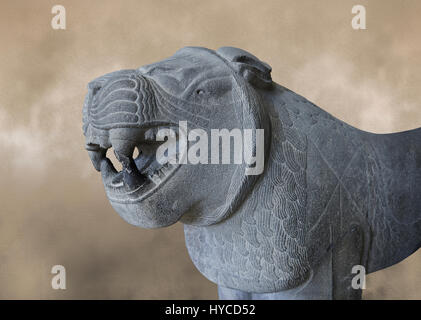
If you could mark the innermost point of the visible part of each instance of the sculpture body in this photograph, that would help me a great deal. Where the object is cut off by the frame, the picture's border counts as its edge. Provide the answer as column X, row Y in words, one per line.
column 330, row 197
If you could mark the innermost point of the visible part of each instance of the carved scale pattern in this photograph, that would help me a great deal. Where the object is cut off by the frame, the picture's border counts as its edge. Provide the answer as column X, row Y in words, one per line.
column 262, row 247
column 372, row 206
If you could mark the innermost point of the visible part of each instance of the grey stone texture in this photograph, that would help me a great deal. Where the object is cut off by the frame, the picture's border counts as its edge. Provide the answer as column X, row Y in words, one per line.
column 331, row 196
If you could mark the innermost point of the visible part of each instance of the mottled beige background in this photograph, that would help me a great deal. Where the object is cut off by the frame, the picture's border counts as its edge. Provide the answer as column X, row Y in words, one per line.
column 53, row 207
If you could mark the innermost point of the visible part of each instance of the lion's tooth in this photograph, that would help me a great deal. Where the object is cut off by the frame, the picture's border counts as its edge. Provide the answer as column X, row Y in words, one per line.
column 161, row 173
column 165, row 170
column 155, row 179
column 96, row 157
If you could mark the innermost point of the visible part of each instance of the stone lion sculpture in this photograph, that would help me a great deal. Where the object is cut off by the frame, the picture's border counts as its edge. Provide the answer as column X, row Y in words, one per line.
column 330, row 197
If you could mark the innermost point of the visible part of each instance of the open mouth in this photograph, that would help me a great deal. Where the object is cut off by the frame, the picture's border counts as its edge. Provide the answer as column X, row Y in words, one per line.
column 139, row 176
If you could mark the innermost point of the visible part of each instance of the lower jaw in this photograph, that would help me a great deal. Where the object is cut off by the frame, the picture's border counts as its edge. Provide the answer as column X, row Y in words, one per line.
column 123, row 194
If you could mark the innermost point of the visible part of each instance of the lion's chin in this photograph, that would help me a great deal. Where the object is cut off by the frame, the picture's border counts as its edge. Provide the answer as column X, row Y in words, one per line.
column 145, row 215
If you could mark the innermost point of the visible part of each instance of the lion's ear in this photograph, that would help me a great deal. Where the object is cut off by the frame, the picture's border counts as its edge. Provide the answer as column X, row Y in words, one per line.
column 248, row 66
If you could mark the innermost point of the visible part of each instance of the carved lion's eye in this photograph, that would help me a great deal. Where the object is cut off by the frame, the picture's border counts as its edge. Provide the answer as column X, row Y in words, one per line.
column 200, row 91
